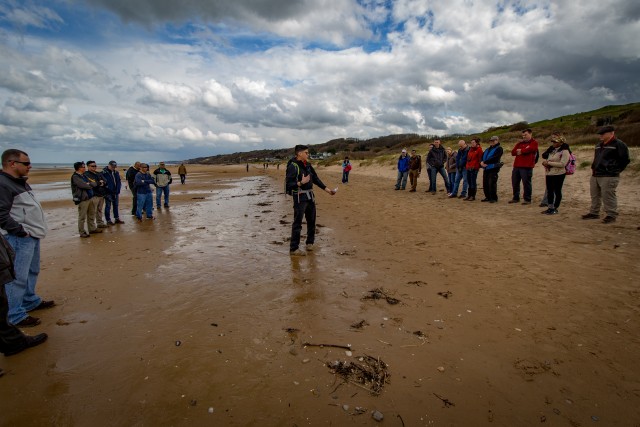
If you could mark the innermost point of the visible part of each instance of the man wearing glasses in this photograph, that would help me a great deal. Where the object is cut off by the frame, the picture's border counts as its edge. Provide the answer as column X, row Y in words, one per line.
column 99, row 193
column 82, row 190
column 23, row 224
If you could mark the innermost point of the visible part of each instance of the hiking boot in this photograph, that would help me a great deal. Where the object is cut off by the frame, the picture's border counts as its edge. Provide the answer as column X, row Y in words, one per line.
column 590, row 216
column 609, row 219
column 297, row 252
column 514, row 201
column 28, row 322
column 309, row 247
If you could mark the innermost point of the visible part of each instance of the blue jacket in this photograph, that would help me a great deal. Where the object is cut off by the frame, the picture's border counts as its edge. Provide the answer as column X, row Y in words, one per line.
column 461, row 158
column 143, row 183
column 112, row 180
column 403, row 164
column 492, row 157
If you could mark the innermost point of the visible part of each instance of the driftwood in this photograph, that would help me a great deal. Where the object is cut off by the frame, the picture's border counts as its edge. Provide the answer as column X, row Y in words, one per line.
column 308, row 344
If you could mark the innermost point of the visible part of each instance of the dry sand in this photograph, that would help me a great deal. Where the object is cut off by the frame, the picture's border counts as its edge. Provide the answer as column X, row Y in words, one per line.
column 203, row 310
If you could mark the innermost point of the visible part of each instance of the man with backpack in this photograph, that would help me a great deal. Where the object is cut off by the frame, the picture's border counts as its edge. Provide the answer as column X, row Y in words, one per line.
column 299, row 182
column 526, row 157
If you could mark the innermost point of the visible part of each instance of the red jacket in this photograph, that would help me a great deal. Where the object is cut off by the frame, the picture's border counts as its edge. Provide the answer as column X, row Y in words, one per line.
column 474, row 157
column 528, row 157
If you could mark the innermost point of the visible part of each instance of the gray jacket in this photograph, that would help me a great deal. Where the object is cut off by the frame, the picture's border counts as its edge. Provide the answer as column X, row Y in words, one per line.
column 20, row 212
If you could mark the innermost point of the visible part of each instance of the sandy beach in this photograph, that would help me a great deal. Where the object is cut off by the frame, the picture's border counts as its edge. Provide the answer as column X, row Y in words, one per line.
column 497, row 315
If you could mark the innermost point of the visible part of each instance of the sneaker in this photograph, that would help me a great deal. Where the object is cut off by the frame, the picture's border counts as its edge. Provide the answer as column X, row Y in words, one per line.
column 119, row 222
column 28, row 322
column 609, row 219
column 297, row 252
column 44, row 305
column 309, row 247
column 29, row 341
column 96, row 231
column 514, row 201
column 590, row 216
column 84, row 235
column 550, row 211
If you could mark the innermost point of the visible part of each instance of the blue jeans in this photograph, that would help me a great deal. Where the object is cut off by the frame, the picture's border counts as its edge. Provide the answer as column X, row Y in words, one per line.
column 21, row 292
column 109, row 201
column 460, row 176
column 401, row 182
column 452, row 180
column 345, row 177
column 434, row 177
column 145, row 203
column 159, row 191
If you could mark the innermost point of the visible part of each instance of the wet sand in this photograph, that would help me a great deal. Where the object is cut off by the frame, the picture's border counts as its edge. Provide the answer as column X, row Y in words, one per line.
column 539, row 323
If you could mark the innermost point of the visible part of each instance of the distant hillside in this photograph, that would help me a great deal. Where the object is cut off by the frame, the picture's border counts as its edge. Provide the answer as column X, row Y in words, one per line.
column 578, row 128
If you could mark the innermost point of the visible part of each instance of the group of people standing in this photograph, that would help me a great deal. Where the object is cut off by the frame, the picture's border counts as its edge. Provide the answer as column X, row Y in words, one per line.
column 463, row 166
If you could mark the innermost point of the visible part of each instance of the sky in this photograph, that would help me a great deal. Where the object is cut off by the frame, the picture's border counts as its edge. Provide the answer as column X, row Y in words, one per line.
column 154, row 80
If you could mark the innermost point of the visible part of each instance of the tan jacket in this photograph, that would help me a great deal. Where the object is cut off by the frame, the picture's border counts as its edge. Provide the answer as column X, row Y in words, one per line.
column 557, row 162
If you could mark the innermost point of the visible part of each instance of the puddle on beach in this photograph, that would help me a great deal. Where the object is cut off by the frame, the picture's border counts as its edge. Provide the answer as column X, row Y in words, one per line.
column 220, row 324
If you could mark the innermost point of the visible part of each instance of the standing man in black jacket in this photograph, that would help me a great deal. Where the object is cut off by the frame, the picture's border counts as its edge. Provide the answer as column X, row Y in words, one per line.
column 436, row 159
column 131, row 179
column 299, row 183
column 610, row 159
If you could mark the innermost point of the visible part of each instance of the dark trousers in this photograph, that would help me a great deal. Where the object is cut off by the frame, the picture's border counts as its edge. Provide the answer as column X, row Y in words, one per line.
column 554, row 189
column 134, row 207
column 490, row 183
column 183, row 178
column 472, row 176
column 524, row 175
column 10, row 336
column 111, row 203
column 345, row 177
column 306, row 209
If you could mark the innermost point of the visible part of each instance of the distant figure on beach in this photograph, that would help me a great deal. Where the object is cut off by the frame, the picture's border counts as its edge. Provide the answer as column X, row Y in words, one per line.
column 163, row 180
column 300, row 178
column 23, row 224
column 451, row 167
column 403, row 170
column 82, row 192
column 415, row 168
column 461, row 171
column 247, row 167
column 474, row 156
column 143, row 184
column 130, row 176
column 437, row 159
column 346, row 168
column 611, row 157
column 12, row 340
column 491, row 164
column 525, row 153
column 99, row 191
column 182, row 171
column 112, row 197
column 555, row 162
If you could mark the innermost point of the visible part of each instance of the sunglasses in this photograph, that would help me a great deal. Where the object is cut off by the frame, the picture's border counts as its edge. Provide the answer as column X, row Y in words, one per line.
column 22, row 163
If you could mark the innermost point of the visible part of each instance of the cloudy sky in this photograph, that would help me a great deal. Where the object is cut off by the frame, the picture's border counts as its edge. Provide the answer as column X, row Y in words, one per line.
column 168, row 80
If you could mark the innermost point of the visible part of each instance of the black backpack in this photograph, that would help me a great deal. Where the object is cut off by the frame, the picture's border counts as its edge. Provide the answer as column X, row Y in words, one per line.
column 289, row 191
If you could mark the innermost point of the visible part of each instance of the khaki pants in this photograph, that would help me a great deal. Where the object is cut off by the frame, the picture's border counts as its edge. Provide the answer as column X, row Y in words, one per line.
column 603, row 191
column 413, row 178
column 97, row 204
column 86, row 214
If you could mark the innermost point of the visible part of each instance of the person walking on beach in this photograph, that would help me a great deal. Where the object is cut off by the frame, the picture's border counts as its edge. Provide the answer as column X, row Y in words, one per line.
column 143, row 184
column 163, row 179
column 99, row 191
column 82, row 192
column 473, row 166
column 610, row 158
column 461, row 174
column 403, row 170
column 415, row 168
column 23, row 224
column 182, row 171
column 491, row 164
column 525, row 153
column 346, row 168
column 300, row 178
column 130, row 176
column 12, row 340
column 436, row 160
column 555, row 162
column 113, row 185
